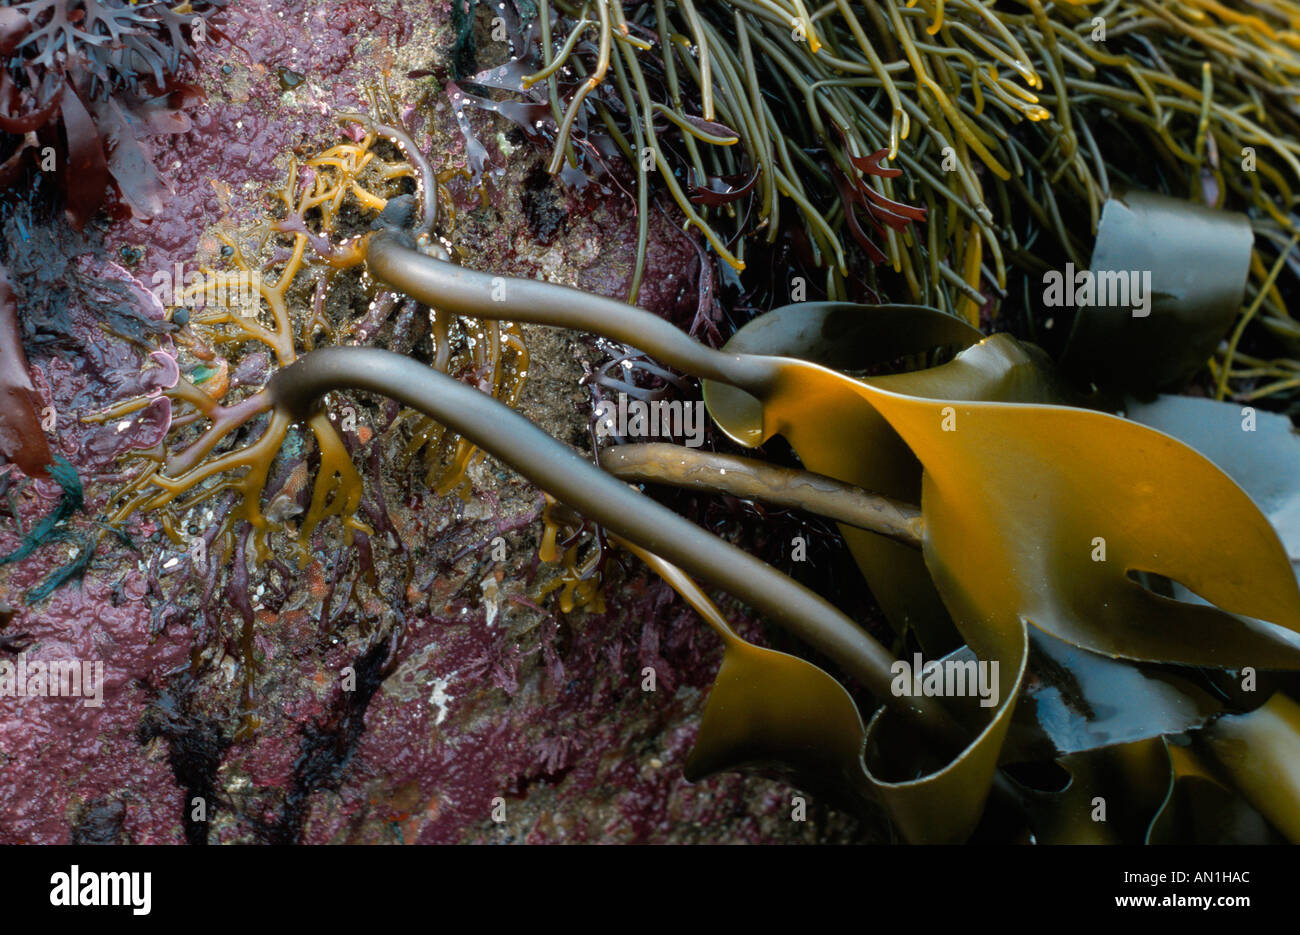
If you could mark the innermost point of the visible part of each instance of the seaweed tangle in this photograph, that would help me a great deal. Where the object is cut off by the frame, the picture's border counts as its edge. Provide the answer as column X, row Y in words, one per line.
column 763, row 125
column 281, row 288
column 84, row 83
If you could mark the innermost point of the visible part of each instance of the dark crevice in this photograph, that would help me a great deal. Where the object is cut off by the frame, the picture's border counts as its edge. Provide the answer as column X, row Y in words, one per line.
column 195, row 748
column 327, row 746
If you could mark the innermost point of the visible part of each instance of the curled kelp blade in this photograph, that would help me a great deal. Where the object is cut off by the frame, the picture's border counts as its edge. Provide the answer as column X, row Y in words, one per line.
column 1201, row 809
column 1189, row 262
column 1259, row 753
column 828, row 419
column 1156, row 791
column 769, row 710
column 1106, row 796
column 998, row 369
column 1046, row 512
column 843, row 336
column 774, row 712
column 818, row 410
column 933, row 803
column 777, row 713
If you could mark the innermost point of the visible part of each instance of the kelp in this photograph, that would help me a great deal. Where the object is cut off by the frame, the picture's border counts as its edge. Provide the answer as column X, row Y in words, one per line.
column 1252, row 446
column 1015, row 455
column 1177, row 790
column 1011, row 127
column 580, row 576
column 1075, row 477
column 522, row 446
column 924, row 811
column 1077, row 700
column 1258, row 752
column 749, row 478
column 1200, row 807
column 902, row 586
column 931, row 408
column 796, row 721
column 1013, row 389
column 1193, row 263
column 1046, row 529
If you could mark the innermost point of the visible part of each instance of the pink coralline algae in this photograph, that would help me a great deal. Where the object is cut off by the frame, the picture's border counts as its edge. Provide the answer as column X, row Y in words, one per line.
column 443, row 721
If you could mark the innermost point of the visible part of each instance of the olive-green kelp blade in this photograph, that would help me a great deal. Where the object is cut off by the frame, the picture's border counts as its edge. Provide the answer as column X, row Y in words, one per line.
column 1260, row 753
column 1259, row 450
column 1157, row 791
column 786, row 386
column 1200, row 809
column 1107, row 796
column 771, row 711
column 1001, row 367
column 777, row 713
column 1074, row 701
column 1042, row 512
column 834, row 434
column 1008, row 490
column 1015, row 466
column 942, row 804
column 774, row 712
column 1198, row 259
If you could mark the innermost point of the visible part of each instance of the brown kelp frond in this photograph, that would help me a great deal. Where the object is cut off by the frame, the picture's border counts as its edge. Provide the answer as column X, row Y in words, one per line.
column 581, row 549
column 488, row 354
column 939, row 434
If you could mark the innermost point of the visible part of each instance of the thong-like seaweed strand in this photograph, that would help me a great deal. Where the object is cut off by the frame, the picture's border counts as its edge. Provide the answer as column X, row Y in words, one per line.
column 516, row 442
column 458, row 291
column 662, row 463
